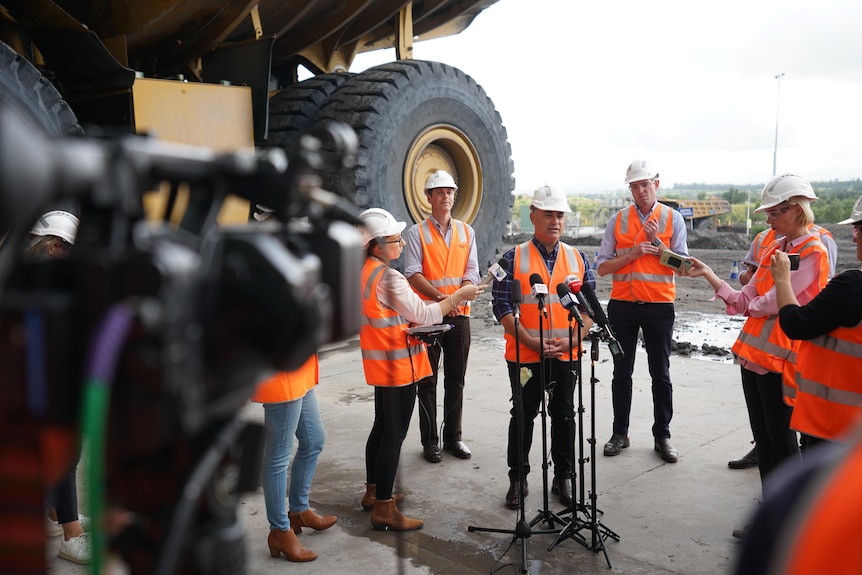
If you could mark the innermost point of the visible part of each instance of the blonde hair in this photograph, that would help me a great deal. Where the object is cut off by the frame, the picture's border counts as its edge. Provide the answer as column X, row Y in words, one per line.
column 806, row 216
column 40, row 248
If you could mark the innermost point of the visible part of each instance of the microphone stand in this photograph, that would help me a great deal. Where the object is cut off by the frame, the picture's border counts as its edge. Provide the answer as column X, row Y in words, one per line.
column 599, row 531
column 522, row 529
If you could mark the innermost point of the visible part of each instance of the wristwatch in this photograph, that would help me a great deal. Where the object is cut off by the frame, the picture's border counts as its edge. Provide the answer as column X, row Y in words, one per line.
column 656, row 242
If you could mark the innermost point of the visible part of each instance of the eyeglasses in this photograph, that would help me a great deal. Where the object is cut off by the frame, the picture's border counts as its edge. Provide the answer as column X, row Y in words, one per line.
column 398, row 241
column 775, row 213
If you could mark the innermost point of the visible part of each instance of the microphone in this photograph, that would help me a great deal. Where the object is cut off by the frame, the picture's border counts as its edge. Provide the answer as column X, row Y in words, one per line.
column 574, row 284
column 516, row 298
column 569, row 303
column 601, row 319
column 538, row 290
column 498, row 272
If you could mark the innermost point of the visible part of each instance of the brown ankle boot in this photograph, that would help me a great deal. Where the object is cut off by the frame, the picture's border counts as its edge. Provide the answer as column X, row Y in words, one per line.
column 387, row 517
column 285, row 542
column 371, row 493
column 309, row 518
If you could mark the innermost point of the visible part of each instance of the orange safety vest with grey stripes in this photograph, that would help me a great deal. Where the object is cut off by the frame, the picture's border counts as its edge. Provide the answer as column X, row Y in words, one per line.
column 764, row 239
column 762, row 340
column 820, row 535
column 528, row 261
column 829, row 383
column 644, row 279
column 289, row 385
column 443, row 266
column 390, row 358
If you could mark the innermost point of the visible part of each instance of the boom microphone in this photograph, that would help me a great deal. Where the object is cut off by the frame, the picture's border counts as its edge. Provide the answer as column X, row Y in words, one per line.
column 498, row 272
column 569, row 303
column 601, row 319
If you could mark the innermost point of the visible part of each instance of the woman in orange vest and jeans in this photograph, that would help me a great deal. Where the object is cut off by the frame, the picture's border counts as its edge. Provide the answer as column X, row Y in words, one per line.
column 762, row 348
column 392, row 360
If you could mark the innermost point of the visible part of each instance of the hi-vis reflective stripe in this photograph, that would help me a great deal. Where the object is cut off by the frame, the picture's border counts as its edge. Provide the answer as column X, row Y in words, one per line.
column 654, row 278
column 383, row 321
column 662, row 219
column 844, row 347
column 550, row 333
column 383, row 355
column 445, row 282
column 524, row 256
column 842, row 396
column 366, row 292
column 459, row 230
column 762, row 342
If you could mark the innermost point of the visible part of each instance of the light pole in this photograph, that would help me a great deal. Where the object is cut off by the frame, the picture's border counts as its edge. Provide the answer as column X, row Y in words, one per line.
column 777, row 100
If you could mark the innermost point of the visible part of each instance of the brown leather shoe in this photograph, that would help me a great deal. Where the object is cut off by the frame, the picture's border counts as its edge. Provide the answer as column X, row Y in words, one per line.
column 386, row 517
column 286, row 543
column 309, row 518
column 562, row 486
column 666, row 450
column 370, row 494
column 616, row 444
column 746, row 461
column 513, row 496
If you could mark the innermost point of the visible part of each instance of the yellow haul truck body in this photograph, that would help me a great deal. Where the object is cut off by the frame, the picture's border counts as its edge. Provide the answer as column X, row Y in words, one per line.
column 225, row 75
column 701, row 215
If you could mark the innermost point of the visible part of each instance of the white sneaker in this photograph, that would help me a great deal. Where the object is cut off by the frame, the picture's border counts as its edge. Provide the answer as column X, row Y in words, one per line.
column 52, row 528
column 76, row 549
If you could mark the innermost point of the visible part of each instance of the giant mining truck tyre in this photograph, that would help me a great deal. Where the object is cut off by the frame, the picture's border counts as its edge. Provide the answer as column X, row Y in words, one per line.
column 293, row 109
column 24, row 88
column 413, row 117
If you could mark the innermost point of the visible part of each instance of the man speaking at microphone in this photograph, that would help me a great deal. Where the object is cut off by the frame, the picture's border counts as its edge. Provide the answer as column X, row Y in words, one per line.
column 440, row 257
column 642, row 296
column 553, row 262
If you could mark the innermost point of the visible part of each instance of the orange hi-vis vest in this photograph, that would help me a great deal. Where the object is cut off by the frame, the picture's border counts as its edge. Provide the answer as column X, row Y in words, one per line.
column 829, row 384
column 390, row 358
column 825, row 525
column 644, row 279
column 443, row 266
column 289, row 385
column 764, row 239
column 528, row 261
column 762, row 340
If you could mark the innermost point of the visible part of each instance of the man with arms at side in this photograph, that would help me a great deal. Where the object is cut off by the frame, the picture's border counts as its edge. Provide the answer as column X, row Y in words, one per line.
column 440, row 257
column 554, row 261
column 642, row 296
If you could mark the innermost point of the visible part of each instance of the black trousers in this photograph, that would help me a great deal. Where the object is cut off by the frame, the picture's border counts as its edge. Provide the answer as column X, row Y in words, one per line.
column 560, row 386
column 454, row 346
column 656, row 321
column 770, row 420
column 393, row 408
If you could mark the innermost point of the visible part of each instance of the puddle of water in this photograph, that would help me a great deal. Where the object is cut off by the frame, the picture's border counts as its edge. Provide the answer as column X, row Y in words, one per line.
column 719, row 330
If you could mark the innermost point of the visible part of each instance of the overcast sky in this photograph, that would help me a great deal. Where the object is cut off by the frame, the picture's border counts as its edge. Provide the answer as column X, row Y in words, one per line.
column 586, row 87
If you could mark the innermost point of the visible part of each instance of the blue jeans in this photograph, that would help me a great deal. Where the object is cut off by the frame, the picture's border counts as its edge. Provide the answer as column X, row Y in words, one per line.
column 283, row 421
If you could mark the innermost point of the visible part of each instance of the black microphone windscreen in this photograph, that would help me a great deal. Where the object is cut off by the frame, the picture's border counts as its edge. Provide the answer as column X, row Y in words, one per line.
column 505, row 264
column 516, row 291
column 563, row 289
column 598, row 312
column 535, row 279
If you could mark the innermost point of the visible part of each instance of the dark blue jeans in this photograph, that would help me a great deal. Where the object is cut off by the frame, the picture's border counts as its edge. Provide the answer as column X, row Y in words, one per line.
column 656, row 321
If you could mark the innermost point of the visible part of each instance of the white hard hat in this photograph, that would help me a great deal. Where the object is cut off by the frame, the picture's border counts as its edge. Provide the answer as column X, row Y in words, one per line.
column 440, row 179
column 57, row 223
column 640, row 170
column 855, row 215
column 781, row 188
column 550, row 199
column 379, row 224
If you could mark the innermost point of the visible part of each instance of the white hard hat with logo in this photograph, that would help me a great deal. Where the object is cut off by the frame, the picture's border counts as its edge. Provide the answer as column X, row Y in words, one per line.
column 781, row 188
column 550, row 199
column 379, row 224
column 57, row 223
column 855, row 215
column 440, row 179
column 640, row 170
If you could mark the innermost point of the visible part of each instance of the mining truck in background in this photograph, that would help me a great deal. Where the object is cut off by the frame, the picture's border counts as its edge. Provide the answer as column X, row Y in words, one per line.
column 225, row 75
column 700, row 215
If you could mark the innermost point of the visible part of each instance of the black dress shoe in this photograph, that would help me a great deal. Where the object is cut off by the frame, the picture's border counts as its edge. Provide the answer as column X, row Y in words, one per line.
column 616, row 443
column 458, row 448
column 746, row 461
column 562, row 486
column 666, row 450
column 513, row 496
column 432, row 454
